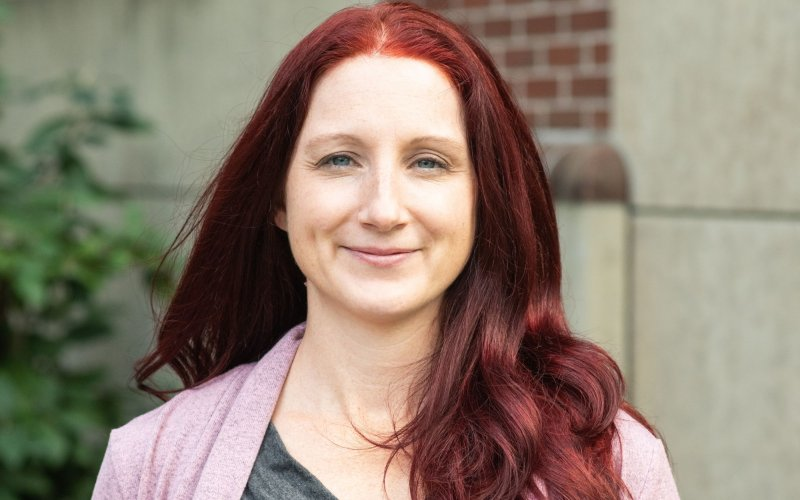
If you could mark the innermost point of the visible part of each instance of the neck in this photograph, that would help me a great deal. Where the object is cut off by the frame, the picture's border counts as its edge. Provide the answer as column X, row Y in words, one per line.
column 361, row 372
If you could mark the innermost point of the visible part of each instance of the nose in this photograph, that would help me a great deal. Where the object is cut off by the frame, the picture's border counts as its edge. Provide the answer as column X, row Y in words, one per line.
column 382, row 206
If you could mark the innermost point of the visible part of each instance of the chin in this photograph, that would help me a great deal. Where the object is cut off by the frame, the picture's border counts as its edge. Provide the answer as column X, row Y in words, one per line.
column 390, row 308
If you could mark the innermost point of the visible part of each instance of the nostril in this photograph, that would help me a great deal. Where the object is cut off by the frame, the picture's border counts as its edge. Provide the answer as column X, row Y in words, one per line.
column 382, row 215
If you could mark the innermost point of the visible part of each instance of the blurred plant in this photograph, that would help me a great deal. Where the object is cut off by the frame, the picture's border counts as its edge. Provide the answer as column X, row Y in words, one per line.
column 58, row 248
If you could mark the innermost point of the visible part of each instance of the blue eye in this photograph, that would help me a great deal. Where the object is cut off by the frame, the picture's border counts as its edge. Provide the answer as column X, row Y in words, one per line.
column 338, row 161
column 429, row 164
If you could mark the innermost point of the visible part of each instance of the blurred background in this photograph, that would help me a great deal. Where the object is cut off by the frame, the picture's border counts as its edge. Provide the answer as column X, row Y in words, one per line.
column 670, row 128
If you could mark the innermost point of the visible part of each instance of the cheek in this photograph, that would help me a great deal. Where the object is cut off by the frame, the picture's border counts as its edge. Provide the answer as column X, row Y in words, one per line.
column 303, row 200
column 463, row 239
column 453, row 212
column 466, row 222
column 313, row 211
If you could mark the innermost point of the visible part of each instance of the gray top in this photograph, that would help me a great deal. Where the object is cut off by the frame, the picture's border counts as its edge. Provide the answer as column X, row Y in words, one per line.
column 278, row 476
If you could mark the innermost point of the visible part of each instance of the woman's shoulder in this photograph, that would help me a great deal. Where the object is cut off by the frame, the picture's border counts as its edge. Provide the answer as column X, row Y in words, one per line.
column 162, row 453
column 645, row 467
column 186, row 409
column 158, row 437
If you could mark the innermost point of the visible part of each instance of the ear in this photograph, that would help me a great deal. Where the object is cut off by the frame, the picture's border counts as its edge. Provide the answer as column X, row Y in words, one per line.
column 280, row 219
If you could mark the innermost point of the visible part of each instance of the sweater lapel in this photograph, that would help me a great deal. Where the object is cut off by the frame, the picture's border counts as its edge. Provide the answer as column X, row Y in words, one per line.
column 231, row 458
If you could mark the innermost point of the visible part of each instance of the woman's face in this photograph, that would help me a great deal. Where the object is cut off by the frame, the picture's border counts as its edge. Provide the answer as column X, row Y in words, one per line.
column 380, row 193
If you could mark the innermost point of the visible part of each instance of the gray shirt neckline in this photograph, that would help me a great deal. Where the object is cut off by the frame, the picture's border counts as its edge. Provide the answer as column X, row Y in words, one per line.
column 277, row 475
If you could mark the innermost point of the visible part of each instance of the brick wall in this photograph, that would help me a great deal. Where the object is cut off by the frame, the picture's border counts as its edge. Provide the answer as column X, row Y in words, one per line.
column 554, row 53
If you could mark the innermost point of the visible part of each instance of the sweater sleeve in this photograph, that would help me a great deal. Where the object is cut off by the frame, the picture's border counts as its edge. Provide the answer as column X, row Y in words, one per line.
column 128, row 446
column 658, row 484
column 107, row 485
column 645, row 467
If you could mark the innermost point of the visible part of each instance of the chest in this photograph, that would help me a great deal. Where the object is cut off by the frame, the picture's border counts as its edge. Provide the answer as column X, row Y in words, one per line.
column 345, row 463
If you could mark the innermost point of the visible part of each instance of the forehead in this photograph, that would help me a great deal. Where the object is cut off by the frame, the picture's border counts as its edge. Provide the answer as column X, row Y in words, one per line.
column 384, row 93
column 381, row 72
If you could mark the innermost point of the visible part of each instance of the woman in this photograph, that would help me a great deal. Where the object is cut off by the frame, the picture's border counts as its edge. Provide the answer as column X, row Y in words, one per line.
column 387, row 198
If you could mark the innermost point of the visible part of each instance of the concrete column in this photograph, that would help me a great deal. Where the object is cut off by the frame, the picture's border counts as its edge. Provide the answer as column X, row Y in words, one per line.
column 705, row 112
column 590, row 186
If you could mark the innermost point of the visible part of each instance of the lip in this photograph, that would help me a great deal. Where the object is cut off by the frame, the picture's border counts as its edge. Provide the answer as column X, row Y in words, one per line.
column 380, row 257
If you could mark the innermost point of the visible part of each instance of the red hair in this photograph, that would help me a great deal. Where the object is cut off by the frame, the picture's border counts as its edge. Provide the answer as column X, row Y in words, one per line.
column 510, row 394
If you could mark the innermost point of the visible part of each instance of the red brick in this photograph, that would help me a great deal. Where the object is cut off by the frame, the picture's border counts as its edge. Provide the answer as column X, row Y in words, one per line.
column 519, row 57
column 601, row 53
column 564, row 55
column 542, row 88
column 475, row 3
column 531, row 118
column 600, row 119
column 540, row 24
column 588, row 21
column 565, row 119
column 590, row 87
column 498, row 27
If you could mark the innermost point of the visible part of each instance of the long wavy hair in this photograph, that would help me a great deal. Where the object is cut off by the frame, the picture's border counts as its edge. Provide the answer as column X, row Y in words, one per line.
column 513, row 404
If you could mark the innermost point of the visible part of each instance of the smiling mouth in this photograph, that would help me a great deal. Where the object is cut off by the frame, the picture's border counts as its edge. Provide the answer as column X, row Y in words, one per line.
column 380, row 257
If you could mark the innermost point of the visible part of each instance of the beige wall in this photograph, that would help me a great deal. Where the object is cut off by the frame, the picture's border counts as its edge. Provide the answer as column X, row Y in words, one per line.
column 706, row 108
column 706, row 101
column 197, row 67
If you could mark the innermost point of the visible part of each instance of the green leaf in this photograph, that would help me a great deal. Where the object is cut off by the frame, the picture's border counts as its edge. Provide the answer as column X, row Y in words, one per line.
column 29, row 283
column 84, row 487
column 124, row 121
column 14, row 449
column 94, row 326
column 47, row 136
column 7, row 397
column 84, row 95
column 29, row 482
column 50, row 444
column 82, row 419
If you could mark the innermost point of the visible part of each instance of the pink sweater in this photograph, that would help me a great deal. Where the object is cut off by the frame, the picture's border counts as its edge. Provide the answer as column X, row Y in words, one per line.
column 202, row 443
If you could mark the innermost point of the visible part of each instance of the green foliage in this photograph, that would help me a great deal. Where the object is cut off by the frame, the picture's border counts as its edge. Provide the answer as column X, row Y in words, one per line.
column 58, row 248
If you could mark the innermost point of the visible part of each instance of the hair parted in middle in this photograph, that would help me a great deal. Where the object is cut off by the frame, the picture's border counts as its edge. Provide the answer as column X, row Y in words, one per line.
column 513, row 403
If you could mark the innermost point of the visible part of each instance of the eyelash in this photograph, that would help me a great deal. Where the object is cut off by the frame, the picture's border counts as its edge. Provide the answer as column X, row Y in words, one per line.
column 327, row 161
column 438, row 164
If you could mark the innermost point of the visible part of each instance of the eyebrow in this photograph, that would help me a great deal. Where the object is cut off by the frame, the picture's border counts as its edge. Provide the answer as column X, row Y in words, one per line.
column 322, row 139
column 442, row 141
